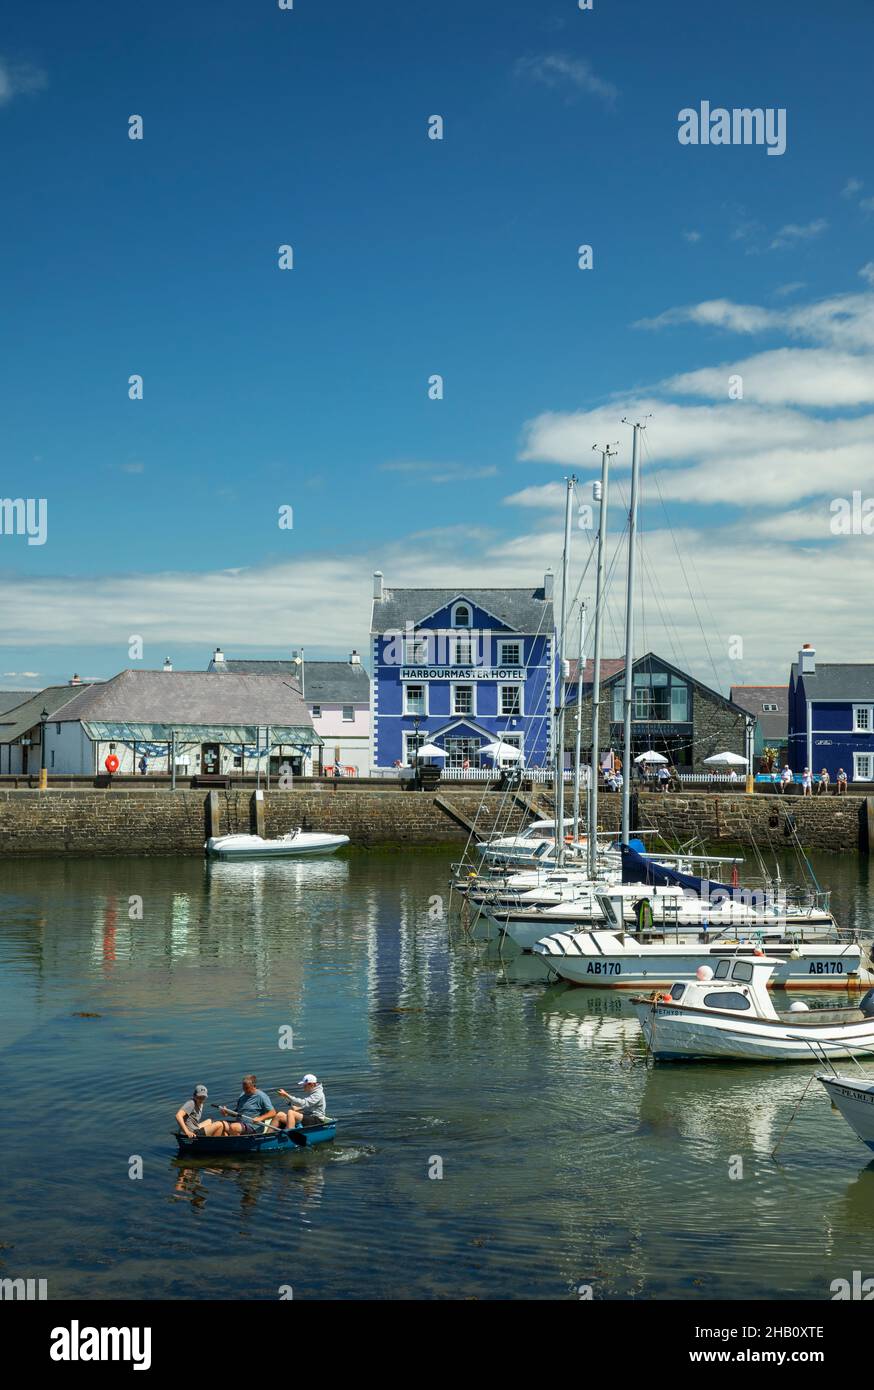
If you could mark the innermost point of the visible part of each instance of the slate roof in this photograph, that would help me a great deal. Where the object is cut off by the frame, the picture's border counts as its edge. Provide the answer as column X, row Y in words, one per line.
column 25, row 715
column 325, row 682
column 189, row 697
column 774, row 724
column 610, row 666
column 838, row 680
column 10, row 698
column 521, row 610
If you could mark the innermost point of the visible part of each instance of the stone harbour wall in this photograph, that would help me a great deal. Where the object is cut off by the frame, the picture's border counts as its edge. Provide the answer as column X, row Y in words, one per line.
column 88, row 822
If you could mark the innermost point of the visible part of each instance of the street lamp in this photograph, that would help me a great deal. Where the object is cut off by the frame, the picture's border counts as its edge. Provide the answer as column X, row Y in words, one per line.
column 43, row 775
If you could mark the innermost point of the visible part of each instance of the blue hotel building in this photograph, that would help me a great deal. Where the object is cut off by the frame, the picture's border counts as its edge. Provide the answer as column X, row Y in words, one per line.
column 831, row 717
column 460, row 668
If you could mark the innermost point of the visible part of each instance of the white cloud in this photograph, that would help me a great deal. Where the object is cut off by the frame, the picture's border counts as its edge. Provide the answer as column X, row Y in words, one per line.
column 787, row 376
column 783, row 291
column 715, row 313
column 866, row 204
column 867, row 272
column 692, row 236
column 573, row 75
column 851, row 187
column 17, row 79
column 793, row 232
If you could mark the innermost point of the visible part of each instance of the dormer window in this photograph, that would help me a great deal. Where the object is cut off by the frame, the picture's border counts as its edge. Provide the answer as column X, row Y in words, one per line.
column 461, row 615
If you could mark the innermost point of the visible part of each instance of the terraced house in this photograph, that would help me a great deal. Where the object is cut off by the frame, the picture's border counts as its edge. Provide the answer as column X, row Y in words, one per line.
column 462, row 668
column 831, row 716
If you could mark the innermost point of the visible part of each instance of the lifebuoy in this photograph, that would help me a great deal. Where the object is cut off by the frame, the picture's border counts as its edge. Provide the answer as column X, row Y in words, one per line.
column 111, row 763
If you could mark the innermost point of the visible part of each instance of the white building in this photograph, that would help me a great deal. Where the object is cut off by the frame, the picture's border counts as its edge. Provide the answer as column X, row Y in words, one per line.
column 215, row 723
column 337, row 696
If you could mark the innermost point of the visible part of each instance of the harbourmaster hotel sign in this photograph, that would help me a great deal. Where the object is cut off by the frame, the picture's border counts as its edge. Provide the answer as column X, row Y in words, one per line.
column 462, row 673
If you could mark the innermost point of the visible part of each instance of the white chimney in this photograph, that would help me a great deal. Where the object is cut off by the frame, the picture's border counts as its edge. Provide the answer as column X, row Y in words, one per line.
column 354, row 659
column 218, row 657
column 377, row 584
column 168, row 664
column 77, row 680
column 807, row 660
column 548, row 584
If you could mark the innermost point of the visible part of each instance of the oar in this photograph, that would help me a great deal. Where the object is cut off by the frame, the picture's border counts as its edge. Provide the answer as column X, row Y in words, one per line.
column 290, row 1133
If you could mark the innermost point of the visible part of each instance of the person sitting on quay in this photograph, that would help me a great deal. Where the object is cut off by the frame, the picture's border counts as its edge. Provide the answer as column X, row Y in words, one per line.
column 785, row 778
column 807, row 782
column 190, row 1119
column 824, row 780
column 253, row 1107
column 311, row 1105
column 841, row 788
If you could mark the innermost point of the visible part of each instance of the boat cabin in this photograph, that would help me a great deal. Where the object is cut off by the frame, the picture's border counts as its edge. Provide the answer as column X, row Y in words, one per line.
column 737, row 986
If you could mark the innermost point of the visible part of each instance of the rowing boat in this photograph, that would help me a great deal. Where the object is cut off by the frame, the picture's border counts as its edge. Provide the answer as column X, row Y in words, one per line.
column 270, row 1141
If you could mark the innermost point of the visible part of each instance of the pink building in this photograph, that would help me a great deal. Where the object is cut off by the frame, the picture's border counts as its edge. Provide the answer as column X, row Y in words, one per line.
column 337, row 695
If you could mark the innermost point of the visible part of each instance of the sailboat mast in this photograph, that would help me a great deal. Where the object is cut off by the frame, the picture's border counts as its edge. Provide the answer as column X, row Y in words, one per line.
column 629, row 634
column 600, row 492
column 558, row 750
column 578, row 740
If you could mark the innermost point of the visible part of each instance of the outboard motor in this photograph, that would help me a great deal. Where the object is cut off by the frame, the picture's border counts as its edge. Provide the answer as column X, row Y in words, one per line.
column 866, row 1004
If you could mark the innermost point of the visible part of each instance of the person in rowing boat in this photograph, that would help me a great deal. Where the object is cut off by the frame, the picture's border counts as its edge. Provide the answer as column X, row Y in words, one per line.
column 253, row 1109
column 311, row 1105
column 190, row 1117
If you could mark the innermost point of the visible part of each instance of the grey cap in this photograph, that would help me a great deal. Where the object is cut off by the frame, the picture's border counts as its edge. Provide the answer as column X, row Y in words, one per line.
column 201, row 1091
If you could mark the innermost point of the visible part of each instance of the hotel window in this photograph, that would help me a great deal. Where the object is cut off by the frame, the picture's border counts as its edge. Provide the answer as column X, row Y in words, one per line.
column 462, row 651
column 317, row 711
column 412, row 743
column 462, row 699
column 863, row 767
column 414, row 699
column 509, row 653
column 862, row 720
column 770, row 709
column 348, row 714
column 509, row 699
column 415, row 651
column 461, row 615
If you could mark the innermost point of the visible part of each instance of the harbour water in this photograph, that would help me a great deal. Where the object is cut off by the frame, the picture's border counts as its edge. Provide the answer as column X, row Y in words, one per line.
column 567, row 1162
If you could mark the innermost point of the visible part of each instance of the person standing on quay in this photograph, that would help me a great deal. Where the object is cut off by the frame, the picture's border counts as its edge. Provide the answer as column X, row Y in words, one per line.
column 807, row 782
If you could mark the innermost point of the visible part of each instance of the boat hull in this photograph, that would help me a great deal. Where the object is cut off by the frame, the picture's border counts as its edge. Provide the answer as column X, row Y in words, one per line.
column 598, row 960
column 265, row 1143
column 674, row 1034
column 855, row 1100
column 254, row 847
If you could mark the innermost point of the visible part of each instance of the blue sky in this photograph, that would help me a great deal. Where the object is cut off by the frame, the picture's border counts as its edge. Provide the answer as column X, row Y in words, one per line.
column 412, row 257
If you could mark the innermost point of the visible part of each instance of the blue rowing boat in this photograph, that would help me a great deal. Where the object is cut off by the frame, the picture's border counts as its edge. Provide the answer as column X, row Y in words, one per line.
column 269, row 1141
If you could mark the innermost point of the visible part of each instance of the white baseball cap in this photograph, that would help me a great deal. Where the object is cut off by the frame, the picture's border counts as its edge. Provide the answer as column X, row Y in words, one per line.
column 308, row 1080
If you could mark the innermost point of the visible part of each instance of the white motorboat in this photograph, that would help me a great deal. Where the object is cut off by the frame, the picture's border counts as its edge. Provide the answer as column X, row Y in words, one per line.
column 673, row 912
column 853, row 1096
column 602, row 959
column 284, row 847
column 529, row 846
column 730, row 1016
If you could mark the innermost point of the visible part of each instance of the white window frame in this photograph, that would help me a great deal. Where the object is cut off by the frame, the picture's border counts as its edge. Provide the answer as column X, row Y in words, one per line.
column 407, row 756
column 770, row 709
column 511, row 685
column 869, row 760
column 511, row 642
column 425, row 711
column 347, row 719
column 416, row 651
column 518, row 741
column 467, row 685
column 316, row 711
column 869, row 727
column 462, row 603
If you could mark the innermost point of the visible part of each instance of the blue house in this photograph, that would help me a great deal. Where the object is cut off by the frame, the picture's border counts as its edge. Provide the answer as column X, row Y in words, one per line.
column 831, row 716
column 461, row 668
